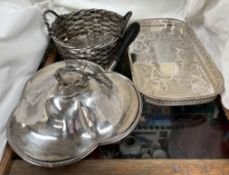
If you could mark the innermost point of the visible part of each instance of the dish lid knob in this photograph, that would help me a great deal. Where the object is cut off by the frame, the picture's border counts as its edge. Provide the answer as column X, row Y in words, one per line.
column 70, row 82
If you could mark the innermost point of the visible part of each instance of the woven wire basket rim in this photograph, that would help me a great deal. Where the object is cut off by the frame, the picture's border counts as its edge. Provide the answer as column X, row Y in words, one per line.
column 100, row 46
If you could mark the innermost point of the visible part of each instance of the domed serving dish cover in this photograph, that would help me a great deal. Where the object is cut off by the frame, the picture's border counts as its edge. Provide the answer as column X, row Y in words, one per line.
column 68, row 109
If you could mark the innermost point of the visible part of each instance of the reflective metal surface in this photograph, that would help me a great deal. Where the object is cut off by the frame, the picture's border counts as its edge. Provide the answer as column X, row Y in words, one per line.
column 170, row 66
column 68, row 109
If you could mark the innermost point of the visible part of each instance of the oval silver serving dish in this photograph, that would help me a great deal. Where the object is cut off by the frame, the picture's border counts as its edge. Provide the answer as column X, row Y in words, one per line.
column 170, row 66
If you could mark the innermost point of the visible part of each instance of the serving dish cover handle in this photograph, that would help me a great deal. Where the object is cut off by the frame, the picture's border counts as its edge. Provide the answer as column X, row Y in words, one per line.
column 70, row 81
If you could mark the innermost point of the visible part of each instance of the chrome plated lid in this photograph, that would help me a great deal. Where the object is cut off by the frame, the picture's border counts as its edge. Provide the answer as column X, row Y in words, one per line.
column 68, row 109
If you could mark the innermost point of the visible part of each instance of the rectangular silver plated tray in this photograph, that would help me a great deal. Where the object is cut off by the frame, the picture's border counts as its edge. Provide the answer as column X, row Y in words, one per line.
column 170, row 66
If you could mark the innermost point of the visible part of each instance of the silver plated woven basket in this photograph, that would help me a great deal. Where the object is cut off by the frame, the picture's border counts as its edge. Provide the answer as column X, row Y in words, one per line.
column 92, row 34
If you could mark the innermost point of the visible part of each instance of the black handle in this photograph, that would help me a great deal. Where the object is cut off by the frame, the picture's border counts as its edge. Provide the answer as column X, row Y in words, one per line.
column 126, row 19
column 129, row 36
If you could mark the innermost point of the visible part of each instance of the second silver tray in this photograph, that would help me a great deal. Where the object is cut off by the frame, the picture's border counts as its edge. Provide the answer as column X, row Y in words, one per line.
column 170, row 66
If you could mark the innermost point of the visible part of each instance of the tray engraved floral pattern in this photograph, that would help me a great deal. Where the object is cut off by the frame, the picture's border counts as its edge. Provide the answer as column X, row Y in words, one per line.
column 170, row 66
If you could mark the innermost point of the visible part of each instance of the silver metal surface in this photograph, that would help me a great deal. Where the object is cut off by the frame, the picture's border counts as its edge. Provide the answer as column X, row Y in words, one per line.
column 68, row 109
column 170, row 66
column 88, row 34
